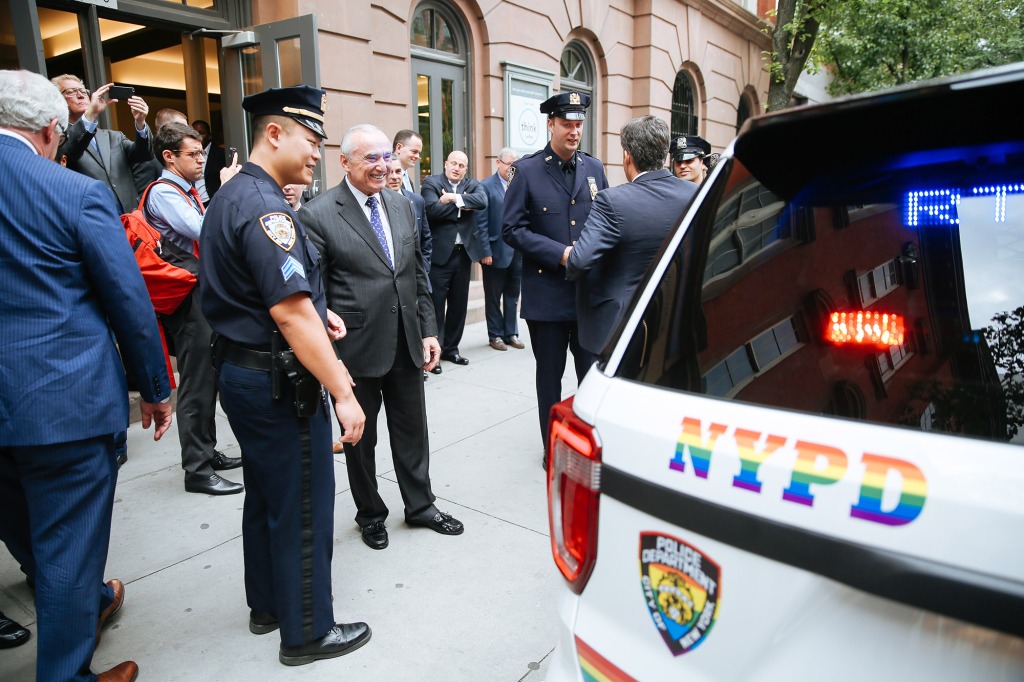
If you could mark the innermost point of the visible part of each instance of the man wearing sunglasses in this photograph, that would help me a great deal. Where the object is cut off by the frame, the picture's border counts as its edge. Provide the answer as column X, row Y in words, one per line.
column 106, row 155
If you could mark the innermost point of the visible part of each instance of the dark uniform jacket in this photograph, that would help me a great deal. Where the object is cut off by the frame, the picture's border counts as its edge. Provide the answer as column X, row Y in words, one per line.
column 541, row 218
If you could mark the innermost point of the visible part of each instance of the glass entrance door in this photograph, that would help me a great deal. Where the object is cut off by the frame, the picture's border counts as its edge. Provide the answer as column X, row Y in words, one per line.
column 439, row 91
column 275, row 55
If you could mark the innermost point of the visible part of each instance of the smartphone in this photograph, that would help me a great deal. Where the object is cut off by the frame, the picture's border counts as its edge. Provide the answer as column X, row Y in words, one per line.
column 120, row 92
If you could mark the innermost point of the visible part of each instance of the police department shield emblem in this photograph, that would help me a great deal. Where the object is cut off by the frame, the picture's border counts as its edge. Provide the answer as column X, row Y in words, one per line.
column 682, row 589
column 280, row 228
column 592, row 184
column 574, row 98
column 323, row 102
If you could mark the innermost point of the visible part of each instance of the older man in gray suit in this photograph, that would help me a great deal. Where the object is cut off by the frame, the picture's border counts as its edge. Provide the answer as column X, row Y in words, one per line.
column 106, row 155
column 626, row 226
column 375, row 282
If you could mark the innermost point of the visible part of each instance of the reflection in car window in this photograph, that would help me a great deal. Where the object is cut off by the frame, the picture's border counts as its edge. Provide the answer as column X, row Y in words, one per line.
column 742, row 310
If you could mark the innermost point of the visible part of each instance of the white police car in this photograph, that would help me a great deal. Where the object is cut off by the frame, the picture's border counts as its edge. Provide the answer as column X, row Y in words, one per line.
column 799, row 457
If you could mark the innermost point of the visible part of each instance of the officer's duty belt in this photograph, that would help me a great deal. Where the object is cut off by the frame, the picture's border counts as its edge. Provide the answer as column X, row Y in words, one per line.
column 246, row 357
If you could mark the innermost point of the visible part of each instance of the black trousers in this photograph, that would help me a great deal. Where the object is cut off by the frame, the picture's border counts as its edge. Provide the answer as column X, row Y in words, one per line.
column 450, row 284
column 196, row 406
column 550, row 341
column 400, row 390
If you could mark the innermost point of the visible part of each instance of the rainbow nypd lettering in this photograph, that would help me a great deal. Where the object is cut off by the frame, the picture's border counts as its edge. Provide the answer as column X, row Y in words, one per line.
column 682, row 589
column 815, row 465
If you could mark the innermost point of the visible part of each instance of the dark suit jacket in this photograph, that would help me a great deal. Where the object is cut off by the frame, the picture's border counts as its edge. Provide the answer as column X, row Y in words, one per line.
column 541, row 217
column 446, row 220
column 490, row 222
column 215, row 162
column 71, row 286
column 422, row 226
column 113, row 164
column 627, row 225
column 362, row 288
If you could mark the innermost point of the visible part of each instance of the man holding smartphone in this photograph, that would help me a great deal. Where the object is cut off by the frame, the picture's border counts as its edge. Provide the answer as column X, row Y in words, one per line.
column 106, row 155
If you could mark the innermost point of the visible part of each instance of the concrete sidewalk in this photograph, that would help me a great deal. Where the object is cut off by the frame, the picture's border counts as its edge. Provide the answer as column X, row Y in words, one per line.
column 473, row 607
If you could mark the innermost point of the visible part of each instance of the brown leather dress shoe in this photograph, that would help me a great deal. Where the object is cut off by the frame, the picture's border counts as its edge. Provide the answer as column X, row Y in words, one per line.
column 515, row 342
column 123, row 672
column 498, row 344
column 118, row 587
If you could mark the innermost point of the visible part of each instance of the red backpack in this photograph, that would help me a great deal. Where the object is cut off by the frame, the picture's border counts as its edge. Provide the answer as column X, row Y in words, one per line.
column 168, row 285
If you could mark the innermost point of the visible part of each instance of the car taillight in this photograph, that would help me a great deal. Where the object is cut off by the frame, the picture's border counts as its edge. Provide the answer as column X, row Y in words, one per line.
column 574, row 484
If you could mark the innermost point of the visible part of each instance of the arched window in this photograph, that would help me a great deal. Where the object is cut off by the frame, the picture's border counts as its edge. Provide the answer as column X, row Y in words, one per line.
column 577, row 73
column 684, row 107
column 441, row 84
column 431, row 29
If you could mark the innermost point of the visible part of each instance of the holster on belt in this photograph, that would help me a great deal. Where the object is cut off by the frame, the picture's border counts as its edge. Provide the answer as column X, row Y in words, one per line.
column 285, row 366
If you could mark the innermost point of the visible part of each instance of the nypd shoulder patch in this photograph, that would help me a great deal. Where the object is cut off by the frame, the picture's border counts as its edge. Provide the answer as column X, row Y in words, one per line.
column 280, row 228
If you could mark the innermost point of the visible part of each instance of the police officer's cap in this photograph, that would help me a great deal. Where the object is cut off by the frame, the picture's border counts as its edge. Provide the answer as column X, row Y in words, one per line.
column 301, row 102
column 570, row 105
column 688, row 147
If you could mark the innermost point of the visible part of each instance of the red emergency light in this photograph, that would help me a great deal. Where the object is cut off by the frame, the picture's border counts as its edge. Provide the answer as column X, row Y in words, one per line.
column 865, row 328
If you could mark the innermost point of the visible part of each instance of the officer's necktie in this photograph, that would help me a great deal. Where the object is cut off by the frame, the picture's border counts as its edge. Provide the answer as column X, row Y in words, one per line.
column 378, row 227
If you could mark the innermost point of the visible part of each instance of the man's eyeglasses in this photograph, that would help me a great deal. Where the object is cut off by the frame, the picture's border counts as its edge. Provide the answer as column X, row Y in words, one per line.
column 374, row 159
column 75, row 91
column 196, row 155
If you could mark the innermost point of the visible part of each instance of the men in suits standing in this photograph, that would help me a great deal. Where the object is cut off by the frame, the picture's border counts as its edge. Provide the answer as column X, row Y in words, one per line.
column 263, row 295
column 548, row 200
column 106, row 155
column 375, row 282
column 626, row 226
column 395, row 179
column 502, row 265
column 71, row 287
column 451, row 200
column 407, row 146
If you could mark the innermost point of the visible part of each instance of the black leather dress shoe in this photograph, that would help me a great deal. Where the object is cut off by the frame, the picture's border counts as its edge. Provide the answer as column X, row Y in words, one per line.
column 261, row 622
column 11, row 633
column 455, row 359
column 222, row 462
column 342, row 638
column 211, row 485
column 437, row 369
column 441, row 523
column 375, row 535
column 122, row 457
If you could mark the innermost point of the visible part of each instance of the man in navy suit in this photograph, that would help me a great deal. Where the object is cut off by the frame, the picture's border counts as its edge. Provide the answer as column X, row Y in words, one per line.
column 502, row 265
column 71, row 288
column 626, row 226
column 451, row 200
column 548, row 200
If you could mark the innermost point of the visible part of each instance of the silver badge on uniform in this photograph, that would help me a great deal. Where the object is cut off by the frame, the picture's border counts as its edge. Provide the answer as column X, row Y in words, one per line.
column 280, row 228
column 592, row 183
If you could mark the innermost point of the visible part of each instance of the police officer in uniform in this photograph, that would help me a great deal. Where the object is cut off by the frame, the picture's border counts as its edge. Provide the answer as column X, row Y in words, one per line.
column 262, row 292
column 687, row 155
column 546, row 205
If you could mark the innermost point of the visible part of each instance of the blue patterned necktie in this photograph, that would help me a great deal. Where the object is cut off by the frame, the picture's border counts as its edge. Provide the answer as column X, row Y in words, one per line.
column 378, row 227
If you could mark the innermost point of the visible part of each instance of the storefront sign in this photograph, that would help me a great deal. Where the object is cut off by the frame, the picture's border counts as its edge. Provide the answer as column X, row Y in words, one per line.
column 525, row 89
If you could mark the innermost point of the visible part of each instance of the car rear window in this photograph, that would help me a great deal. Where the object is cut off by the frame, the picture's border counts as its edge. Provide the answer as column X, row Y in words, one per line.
column 889, row 289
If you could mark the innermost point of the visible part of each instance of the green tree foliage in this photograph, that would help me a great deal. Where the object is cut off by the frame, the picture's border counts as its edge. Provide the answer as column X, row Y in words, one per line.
column 872, row 44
